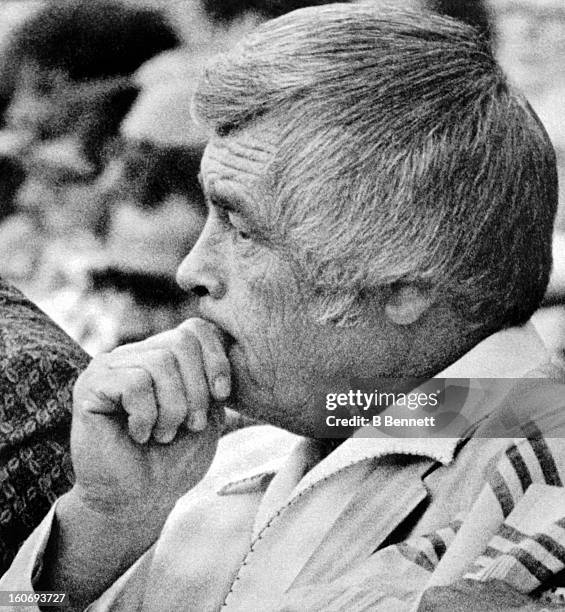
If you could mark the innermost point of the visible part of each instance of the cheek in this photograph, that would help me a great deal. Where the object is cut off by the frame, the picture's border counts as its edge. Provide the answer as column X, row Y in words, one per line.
column 265, row 313
column 285, row 334
column 272, row 296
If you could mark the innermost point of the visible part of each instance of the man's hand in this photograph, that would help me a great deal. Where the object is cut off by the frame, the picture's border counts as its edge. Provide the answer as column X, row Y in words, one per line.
column 145, row 428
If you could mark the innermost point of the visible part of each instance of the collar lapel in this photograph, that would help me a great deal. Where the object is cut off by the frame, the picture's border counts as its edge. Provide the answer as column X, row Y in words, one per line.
column 390, row 495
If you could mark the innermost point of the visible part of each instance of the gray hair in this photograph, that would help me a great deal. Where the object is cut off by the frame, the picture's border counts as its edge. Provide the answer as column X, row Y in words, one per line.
column 405, row 157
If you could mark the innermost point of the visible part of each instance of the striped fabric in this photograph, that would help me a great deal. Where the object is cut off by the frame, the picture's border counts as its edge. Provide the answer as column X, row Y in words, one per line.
column 521, row 564
column 528, row 549
column 525, row 461
column 427, row 551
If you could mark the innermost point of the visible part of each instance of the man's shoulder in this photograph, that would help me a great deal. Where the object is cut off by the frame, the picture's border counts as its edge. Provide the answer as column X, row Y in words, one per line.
column 27, row 330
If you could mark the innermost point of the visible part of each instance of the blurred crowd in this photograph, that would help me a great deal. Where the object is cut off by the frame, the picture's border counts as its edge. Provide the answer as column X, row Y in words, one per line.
column 99, row 156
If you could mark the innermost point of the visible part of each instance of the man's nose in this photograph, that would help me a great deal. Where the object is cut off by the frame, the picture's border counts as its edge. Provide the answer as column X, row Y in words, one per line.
column 200, row 272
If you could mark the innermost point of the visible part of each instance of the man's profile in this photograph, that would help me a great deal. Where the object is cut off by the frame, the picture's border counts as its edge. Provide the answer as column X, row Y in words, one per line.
column 380, row 207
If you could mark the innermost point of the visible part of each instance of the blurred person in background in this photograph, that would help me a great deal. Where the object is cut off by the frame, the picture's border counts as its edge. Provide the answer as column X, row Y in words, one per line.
column 64, row 91
column 156, row 212
column 68, row 44
column 59, row 197
column 13, row 13
column 71, row 64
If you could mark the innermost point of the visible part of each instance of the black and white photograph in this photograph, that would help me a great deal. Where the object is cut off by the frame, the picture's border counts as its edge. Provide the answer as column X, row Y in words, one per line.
column 282, row 305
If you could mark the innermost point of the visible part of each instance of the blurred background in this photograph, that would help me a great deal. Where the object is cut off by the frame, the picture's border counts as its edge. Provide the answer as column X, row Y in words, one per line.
column 99, row 198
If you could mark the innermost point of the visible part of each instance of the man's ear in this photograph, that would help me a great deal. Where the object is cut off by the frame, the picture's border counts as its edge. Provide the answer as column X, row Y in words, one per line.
column 407, row 303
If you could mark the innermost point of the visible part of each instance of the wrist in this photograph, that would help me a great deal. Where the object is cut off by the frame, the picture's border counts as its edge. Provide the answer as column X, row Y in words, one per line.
column 89, row 548
column 114, row 511
column 135, row 528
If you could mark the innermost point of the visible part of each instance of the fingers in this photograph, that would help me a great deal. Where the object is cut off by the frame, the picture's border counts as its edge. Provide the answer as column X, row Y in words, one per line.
column 179, row 386
column 216, row 365
column 99, row 390
column 194, row 336
column 161, row 383
column 138, row 400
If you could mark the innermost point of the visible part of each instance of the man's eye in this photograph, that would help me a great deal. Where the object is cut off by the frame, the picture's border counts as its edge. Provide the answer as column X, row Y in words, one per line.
column 242, row 232
column 244, row 235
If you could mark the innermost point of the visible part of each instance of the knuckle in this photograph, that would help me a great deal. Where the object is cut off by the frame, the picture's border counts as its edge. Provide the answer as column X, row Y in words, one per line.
column 140, row 422
column 140, row 402
column 91, row 379
column 187, row 340
column 139, row 380
column 164, row 358
column 208, row 329
column 98, row 363
column 122, row 350
column 199, row 324
column 189, row 326
column 199, row 327
column 218, row 364
column 181, row 340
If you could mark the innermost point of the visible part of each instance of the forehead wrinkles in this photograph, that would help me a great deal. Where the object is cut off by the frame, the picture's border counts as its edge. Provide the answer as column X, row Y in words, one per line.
column 243, row 158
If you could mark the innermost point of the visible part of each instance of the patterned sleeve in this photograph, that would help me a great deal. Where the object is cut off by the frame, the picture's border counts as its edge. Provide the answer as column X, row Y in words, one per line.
column 38, row 367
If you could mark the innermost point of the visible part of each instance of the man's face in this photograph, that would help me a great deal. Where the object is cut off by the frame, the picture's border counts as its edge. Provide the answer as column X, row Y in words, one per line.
column 282, row 360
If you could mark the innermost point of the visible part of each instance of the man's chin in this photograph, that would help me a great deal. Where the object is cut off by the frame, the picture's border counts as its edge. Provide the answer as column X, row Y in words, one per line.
column 253, row 400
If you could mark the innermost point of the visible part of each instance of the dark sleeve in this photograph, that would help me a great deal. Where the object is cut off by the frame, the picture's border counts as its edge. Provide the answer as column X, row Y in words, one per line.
column 38, row 366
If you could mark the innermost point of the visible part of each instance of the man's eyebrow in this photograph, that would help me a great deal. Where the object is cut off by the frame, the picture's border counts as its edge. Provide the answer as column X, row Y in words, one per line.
column 227, row 201
column 218, row 199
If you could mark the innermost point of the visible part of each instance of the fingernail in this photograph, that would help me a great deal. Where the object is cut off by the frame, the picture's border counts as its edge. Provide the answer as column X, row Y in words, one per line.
column 222, row 387
column 199, row 421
